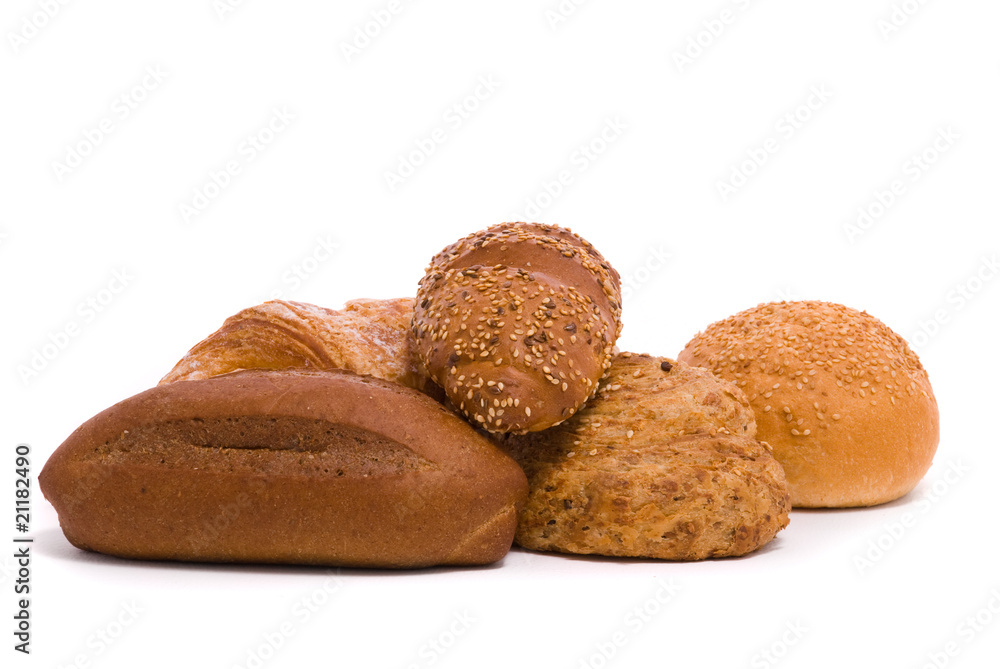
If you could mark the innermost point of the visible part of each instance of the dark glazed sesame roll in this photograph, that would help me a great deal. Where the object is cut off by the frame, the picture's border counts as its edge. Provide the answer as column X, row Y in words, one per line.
column 517, row 324
column 843, row 400
column 661, row 463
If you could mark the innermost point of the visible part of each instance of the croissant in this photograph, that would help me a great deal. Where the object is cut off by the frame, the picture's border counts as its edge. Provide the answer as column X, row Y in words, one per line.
column 517, row 323
column 366, row 337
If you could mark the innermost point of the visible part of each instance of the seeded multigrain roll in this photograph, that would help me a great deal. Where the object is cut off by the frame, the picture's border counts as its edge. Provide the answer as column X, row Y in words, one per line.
column 843, row 400
column 517, row 323
column 661, row 463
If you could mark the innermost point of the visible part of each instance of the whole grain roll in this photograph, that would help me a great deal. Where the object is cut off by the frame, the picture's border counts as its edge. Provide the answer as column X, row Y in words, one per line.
column 661, row 463
column 841, row 398
column 517, row 323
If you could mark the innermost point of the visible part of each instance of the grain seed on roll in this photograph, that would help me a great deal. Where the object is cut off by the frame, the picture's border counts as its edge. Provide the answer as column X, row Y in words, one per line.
column 661, row 463
column 517, row 323
column 841, row 398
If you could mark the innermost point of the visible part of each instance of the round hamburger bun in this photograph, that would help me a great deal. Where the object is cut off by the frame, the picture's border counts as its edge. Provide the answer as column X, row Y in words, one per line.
column 841, row 398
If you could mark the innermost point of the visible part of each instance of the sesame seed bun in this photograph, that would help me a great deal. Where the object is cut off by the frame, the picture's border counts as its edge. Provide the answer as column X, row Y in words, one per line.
column 841, row 398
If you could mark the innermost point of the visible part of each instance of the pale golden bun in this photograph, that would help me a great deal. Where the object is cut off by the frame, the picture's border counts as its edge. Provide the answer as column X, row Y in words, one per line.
column 841, row 398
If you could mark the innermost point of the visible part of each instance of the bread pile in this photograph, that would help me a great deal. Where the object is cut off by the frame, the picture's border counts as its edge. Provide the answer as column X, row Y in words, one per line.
column 493, row 408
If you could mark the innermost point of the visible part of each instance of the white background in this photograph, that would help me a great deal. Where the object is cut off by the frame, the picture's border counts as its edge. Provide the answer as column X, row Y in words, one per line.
column 650, row 192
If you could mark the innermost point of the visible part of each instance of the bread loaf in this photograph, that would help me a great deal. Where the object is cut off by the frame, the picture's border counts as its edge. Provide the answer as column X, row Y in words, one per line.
column 843, row 400
column 298, row 467
column 367, row 337
column 517, row 324
column 661, row 463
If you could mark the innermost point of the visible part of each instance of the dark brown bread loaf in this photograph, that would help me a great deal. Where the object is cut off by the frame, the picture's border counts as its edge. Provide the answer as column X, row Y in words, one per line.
column 324, row 468
column 517, row 324
column 661, row 463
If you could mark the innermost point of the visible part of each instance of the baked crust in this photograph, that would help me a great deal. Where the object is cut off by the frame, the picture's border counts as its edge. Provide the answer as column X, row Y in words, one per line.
column 842, row 399
column 661, row 463
column 291, row 467
column 367, row 337
column 517, row 323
